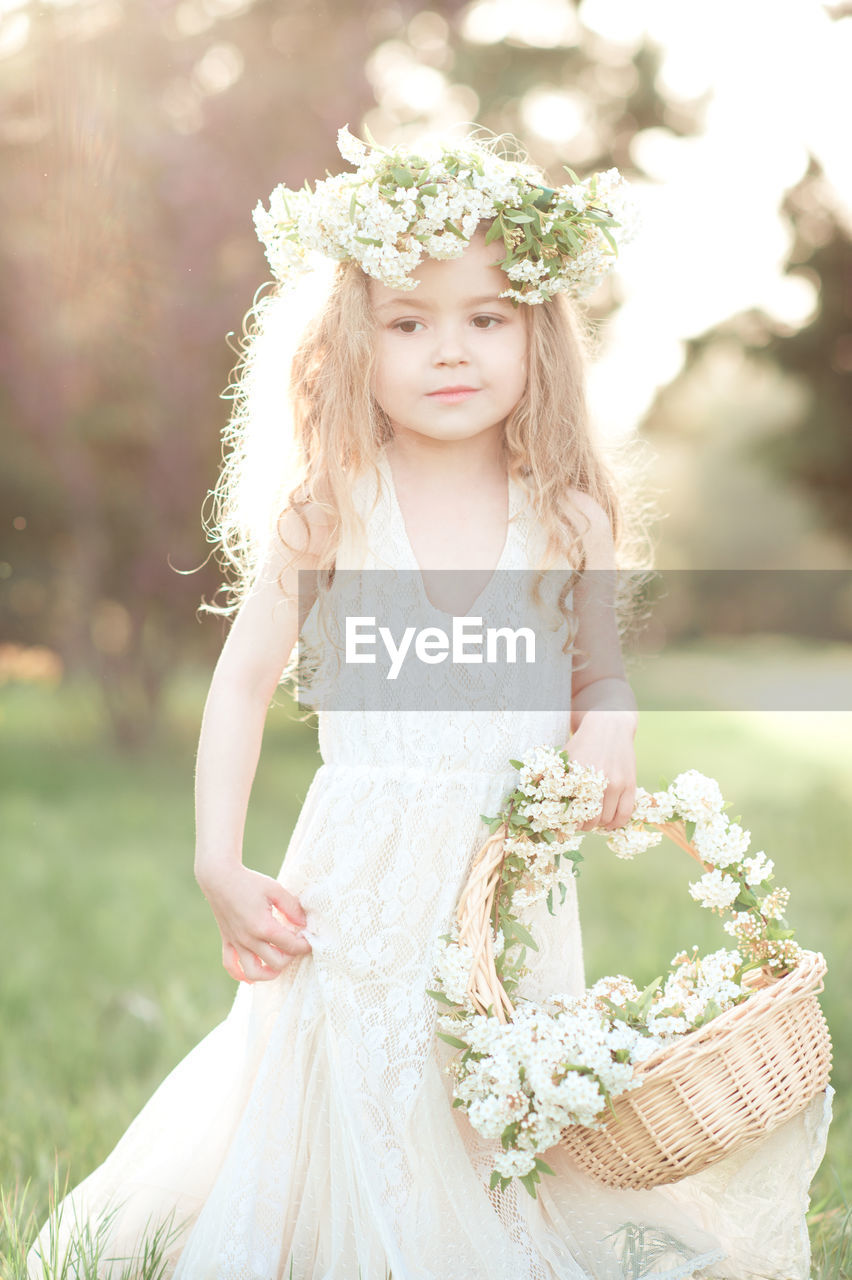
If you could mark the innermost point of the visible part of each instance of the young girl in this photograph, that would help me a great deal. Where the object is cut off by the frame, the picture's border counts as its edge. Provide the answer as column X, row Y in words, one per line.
column 435, row 420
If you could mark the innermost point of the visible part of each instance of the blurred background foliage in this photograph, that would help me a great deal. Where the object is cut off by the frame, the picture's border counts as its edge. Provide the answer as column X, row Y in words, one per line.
column 134, row 140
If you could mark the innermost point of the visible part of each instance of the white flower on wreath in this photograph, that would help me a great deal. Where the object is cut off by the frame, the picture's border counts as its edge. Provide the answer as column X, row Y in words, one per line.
column 542, row 771
column 697, row 798
column 653, row 806
column 453, row 963
column 757, row 869
column 616, row 987
column 715, row 890
column 626, row 842
column 719, row 841
column 774, row 904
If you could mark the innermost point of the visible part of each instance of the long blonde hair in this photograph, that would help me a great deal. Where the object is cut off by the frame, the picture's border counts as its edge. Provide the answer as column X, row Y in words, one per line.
column 305, row 424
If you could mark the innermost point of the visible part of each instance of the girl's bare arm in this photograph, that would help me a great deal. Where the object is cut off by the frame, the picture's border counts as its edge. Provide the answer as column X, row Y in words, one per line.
column 604, row 715
column 256, row 943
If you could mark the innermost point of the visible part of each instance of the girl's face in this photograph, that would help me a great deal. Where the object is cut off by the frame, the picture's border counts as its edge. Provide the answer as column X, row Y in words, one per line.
column 452, row 332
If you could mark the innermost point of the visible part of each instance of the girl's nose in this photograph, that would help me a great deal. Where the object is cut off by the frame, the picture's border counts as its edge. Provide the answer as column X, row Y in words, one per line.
column 450, row 347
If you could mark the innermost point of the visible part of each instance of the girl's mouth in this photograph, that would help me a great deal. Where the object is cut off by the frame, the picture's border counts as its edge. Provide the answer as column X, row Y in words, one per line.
column 453, row 395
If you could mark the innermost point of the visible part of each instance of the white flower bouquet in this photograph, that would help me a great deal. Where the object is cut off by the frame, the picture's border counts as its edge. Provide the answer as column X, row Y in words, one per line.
column 578, row 1071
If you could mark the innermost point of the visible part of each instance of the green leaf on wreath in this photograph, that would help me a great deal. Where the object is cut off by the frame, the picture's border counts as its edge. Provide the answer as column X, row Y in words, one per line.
column 543, row 198
column 711, row 1011
column 523, row 934
column 453, row 1040
column 645, row 999
column 439, row 995
column 509, row 1135
column 609, row 237
column 493, row 232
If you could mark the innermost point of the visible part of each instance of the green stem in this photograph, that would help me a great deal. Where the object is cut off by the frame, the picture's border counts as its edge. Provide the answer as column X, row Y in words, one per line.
column 500, row 875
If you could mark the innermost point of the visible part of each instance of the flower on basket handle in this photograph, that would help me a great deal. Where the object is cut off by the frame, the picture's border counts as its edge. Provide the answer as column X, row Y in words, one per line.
column 562, row 1061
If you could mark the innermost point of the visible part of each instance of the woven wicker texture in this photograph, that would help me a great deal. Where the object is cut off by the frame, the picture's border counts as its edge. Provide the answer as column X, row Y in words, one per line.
column 711, row 1093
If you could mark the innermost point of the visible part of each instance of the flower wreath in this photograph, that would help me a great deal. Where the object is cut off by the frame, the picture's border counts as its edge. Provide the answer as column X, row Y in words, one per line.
column 400, row 204
column 562, row 1061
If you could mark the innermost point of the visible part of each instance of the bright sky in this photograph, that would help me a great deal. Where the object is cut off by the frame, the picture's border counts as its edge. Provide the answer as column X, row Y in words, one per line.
column 713, row 241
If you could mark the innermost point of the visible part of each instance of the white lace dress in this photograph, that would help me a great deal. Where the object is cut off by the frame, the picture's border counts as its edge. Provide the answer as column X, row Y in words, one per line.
column 312, row 1135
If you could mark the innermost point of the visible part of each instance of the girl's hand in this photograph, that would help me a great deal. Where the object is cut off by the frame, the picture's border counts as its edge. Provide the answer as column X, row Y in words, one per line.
column 248, row 906
column 604, row 740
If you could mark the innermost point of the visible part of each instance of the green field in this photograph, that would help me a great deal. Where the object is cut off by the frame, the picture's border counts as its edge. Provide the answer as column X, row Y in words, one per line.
column 112, row 971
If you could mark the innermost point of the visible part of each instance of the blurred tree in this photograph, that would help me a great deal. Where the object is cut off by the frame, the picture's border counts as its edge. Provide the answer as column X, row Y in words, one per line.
column 133, row 148
column 817, row 453
column 134, row 140
column 811, row 446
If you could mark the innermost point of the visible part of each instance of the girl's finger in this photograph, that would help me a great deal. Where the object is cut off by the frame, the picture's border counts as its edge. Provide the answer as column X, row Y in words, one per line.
column 591, row 823
column 231, row 962
column 286, row 904
column 271, row 955
column 251, row 966
column 624, row 801
column 626, row 805
column 285, row 937
column 607, row 808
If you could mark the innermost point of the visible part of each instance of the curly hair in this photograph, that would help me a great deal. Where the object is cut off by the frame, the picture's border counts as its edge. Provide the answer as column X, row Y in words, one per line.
column 305, row 424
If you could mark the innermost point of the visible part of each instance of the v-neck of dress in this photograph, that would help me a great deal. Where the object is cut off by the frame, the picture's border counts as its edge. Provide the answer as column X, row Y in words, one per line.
column 405, row 540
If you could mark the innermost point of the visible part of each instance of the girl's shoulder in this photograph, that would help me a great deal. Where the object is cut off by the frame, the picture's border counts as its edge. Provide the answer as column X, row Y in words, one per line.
column 307, row 525
column 578, row 501
column 593, row 524
column 302, row 533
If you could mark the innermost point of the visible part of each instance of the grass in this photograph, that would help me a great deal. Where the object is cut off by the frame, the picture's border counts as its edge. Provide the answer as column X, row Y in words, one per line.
column 86, row 1251
column 113, row 967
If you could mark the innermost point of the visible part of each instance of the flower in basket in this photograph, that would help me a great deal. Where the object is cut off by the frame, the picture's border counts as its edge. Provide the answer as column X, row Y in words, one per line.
column 529, row 1070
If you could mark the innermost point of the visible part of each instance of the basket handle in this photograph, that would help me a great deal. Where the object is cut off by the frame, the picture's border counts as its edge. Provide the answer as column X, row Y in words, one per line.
column 475, row 906
column 474, row 925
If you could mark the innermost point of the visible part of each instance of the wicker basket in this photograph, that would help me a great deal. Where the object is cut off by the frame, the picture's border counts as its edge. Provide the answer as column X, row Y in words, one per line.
column 716, row 1090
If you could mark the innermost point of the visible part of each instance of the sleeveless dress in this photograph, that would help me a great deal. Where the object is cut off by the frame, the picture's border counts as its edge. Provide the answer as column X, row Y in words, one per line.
column 311, row 1134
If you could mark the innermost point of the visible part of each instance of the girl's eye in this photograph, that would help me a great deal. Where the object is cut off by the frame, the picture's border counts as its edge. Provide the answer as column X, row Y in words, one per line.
column 480, row 322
